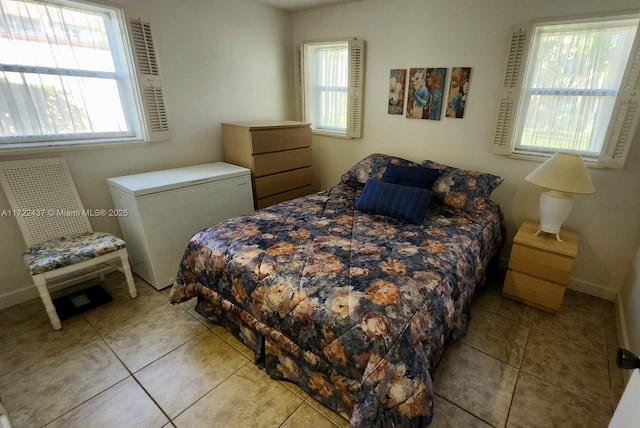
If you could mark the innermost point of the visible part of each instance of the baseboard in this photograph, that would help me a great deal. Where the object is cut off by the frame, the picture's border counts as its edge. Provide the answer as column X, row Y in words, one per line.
column 20, row 295
column 30, row 291
column 623, row 335
column 592, row 289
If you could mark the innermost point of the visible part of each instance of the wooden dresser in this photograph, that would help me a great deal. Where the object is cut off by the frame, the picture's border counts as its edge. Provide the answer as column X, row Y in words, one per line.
column 539, row 267
column 278, row 153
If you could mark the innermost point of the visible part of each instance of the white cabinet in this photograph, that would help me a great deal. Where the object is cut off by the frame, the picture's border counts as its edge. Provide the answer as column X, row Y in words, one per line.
column 160, row 211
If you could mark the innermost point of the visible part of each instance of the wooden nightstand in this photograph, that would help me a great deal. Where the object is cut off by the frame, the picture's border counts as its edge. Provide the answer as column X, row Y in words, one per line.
column 539, row 267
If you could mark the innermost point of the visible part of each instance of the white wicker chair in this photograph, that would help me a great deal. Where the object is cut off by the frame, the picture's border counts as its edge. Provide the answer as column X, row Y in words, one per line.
column 56, row 228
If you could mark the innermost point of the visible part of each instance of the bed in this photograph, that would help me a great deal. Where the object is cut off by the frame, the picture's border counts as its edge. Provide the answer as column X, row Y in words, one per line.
column 354, row 305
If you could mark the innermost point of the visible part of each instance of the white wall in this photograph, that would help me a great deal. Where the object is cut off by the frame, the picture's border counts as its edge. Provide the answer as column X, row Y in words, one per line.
column 221, row 61
column 435, row 33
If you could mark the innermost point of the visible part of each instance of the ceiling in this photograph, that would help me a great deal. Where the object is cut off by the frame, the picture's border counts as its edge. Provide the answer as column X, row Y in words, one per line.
column 298, row 5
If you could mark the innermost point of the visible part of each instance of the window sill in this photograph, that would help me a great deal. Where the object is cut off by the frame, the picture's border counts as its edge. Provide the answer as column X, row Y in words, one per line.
column 66, row 147
column 330, row 134
column 589, row 162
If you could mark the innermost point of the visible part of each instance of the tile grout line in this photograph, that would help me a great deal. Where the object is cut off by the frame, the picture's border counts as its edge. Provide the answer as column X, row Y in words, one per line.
column 206, row 393
column 515, row 385
column 291, row 414
column 521, row 370
column 309, row 397
column 106, row 389
column 85, row 401
column 463, row 409
column 203, row 321
column 131, row 373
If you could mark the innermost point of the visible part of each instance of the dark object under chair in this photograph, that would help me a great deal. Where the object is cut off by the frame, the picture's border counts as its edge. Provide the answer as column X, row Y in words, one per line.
column 80, row 301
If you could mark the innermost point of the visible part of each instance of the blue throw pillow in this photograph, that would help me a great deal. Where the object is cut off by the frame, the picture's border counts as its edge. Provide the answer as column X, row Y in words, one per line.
column 415, row 176
column 393, row 200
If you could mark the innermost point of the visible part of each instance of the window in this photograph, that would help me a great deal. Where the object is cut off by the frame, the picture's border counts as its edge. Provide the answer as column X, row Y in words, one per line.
column 329, row 86
column 67, row 76
column 571, row 86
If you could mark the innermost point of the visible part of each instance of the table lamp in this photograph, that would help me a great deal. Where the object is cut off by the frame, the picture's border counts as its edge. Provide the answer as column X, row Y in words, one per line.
column 562, row 173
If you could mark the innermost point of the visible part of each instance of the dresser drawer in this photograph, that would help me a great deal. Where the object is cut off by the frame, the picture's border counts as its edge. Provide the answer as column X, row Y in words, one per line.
column 542, row 264
column 271, row 163
column 542, row 294
column 267, row 140
column 273, row 140
column 281, row 197
column 278, row 183
column 296, row 138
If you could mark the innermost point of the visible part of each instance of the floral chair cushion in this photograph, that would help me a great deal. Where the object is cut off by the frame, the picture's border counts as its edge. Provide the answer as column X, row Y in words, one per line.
column 66, row 251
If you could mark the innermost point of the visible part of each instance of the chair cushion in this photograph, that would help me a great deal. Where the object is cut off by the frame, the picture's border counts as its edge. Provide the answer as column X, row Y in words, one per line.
column 60, row 252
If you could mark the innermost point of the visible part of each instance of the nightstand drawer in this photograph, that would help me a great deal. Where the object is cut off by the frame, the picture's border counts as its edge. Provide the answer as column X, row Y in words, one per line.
column 542, row 264
column 542, row 294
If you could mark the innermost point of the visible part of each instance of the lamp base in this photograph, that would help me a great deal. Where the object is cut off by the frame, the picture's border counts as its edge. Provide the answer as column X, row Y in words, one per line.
column 555, row 207
column 557, row 234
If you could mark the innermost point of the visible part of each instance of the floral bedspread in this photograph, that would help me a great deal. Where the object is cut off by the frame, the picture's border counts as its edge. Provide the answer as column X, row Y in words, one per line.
column 355, row 308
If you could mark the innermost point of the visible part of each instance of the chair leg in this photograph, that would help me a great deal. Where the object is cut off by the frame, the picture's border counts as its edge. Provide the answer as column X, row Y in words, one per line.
column 41, row 285
column 124, row 259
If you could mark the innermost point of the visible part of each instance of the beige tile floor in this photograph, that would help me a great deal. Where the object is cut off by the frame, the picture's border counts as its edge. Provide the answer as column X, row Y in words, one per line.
column 143, row 362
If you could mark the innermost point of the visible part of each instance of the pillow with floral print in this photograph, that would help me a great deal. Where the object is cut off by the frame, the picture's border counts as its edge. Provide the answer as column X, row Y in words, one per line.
column 373, row 166
column 462, row 189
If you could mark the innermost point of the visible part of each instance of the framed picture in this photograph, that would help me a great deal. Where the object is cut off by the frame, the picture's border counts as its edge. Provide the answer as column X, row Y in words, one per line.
column 397, row 81
column 426, row 86
column 458, row 90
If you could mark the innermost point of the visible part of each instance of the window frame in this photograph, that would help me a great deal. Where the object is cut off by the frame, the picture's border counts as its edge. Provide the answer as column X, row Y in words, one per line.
column 509, row 116
column 356, row 52
column 133, row 47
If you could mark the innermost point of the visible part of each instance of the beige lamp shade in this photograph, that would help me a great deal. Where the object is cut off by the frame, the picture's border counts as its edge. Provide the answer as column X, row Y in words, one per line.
column 564, row 172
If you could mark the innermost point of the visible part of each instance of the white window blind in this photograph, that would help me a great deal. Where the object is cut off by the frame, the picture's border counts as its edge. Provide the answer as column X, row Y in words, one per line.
column 66, row 76
column 329, row 86
column 564, row 89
